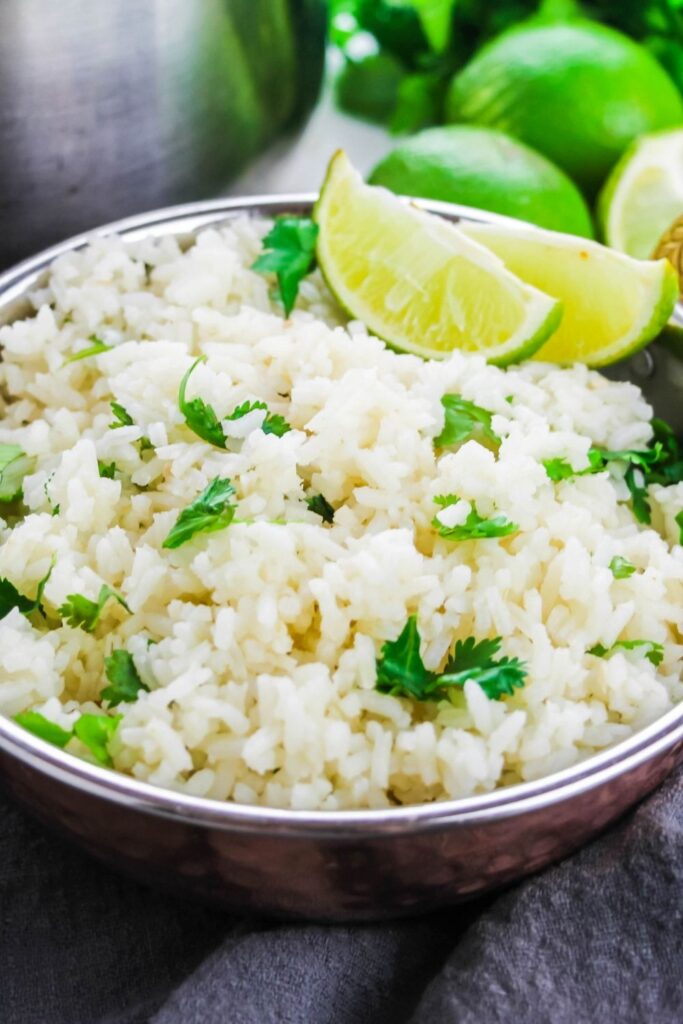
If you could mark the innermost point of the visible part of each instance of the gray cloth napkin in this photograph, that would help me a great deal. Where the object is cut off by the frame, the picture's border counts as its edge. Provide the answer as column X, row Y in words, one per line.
column 599, row 938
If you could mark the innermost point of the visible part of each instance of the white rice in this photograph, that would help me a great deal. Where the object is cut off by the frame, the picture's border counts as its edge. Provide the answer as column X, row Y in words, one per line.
column 265, row 635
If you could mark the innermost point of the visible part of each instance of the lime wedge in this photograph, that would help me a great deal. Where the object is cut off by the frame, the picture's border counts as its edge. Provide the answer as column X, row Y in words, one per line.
column 613, row 305
column 643, row 195
column 417, row 281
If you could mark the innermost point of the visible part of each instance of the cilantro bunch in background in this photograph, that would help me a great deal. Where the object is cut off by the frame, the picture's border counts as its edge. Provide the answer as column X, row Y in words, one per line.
column 399, row 55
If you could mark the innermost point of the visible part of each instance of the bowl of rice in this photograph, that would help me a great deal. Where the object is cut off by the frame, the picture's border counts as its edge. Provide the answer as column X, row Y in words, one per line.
column 247, row 596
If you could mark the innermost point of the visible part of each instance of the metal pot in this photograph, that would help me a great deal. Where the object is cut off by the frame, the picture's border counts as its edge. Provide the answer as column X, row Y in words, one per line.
column 110, row 108
column 331, row 866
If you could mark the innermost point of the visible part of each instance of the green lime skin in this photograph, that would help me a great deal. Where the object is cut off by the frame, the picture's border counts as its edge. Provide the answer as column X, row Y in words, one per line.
column 489, row 170
column 577, row 92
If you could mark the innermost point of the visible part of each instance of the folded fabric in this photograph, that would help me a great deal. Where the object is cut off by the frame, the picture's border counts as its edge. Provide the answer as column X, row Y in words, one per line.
column 598, row 938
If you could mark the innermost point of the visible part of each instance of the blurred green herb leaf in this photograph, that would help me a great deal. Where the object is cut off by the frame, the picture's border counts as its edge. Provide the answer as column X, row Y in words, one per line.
column 14, row 466
column 651, row 650
column 464, row 420
column 475, row 527
column 95, row 349
column 42, row 727
column 319, row 504
column 124, row 679
column 621, row 568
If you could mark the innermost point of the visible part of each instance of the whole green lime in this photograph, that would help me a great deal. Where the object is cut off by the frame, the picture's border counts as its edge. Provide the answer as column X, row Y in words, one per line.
column 578, row 92
column 487, row 169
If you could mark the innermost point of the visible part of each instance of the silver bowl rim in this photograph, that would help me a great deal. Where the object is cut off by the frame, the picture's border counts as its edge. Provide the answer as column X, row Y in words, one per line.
column 653, row 741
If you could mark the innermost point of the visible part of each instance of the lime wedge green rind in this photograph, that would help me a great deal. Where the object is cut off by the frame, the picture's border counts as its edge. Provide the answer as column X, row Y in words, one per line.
column 644, row 194
column 417, row 281
column 613, row 304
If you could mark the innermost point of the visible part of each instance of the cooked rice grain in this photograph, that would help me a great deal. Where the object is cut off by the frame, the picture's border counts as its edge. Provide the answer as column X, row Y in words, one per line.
column 258, row 643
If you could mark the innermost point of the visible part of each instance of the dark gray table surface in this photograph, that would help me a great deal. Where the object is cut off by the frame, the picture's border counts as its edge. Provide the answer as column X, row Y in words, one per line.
column 599, row 938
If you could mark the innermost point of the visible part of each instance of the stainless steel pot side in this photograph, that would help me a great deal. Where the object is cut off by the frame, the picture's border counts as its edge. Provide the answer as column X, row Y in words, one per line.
column 113, row 107
column 340, row 866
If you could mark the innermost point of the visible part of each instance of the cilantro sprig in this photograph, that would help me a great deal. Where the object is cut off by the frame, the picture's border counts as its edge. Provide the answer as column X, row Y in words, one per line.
column 289, row 254
column 202, row 420
column 80, row 612
column 660, row 463
column 200, row 417
column 94, row 731
column 464, row 420
column 401, row 671
column 124, row 678
column 651, row 650
column 14, row 466
column 475, row 527
column 213, row 510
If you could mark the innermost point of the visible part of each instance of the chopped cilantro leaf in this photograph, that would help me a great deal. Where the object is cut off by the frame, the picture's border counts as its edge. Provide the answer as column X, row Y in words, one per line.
column 200, row 417
column 96, row 732
column 124, row 419
column 290, row 254
column 95, row 349
column 242, row 410
column 464, row 420
column 121, row 417
column 14, row 466
column 636, row 481
column 125, row 681
column 11, row 598
column 475, row 526
column 275, row 424
column 319, row 504
column 401, row 671
column 653, row 651
column 621, row 568
column 42, row 727
column 660, row 463
column 476, row 660
column 559, row 469
column 212, row 510
column 272, row 424
column 669, row 468
column 107, row 471
column 79, row 611
column 679, row 523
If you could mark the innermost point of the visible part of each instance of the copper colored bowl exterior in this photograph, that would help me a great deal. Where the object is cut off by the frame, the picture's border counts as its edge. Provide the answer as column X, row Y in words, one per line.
column 335, row 866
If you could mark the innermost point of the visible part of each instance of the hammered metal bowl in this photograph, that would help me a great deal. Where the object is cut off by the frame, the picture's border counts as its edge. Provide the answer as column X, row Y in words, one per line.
column 350, row 865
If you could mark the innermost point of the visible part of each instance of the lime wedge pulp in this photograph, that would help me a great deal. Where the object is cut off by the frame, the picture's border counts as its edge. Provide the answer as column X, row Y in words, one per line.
column 419, row 282
column 613, row 304
column 644, row 194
